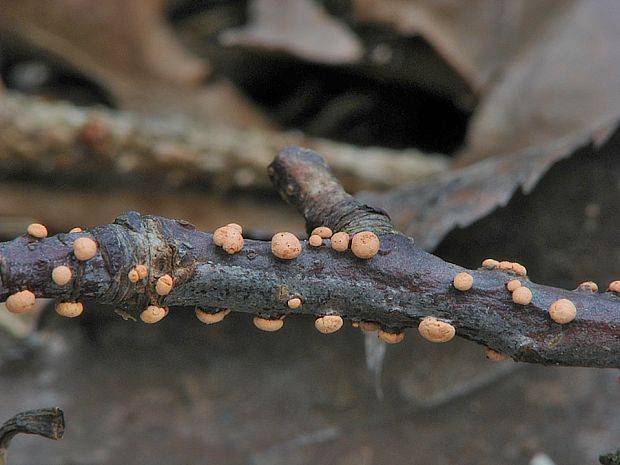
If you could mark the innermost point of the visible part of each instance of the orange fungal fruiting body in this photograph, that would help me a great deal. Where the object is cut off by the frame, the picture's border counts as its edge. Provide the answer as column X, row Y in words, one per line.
column 235, row 226
column 268, row 325
column 328, row 324
column 562, row 311
column 365, row 244
column 285, row 245
column 133, row 276
column 519, row 269
column 153, row 314
column 315, row 240
column 75, row 230
column 61, row 275
column 37, row 230
column 391, row 338
column 490, row 263
column 323, row 232
column 505, row 265
column 369, row 326
column 340, row 241
column 435, row 330
column 84, row 248
column 463, row 281
column 294, row 303
column 513, row 285
column 164, row 285
column 614, row 286
column 69, row 309
column 20, row 302
column 590, row 286
column 233, row 242
column 522, row 296
column 211, row 318
column 143, row 272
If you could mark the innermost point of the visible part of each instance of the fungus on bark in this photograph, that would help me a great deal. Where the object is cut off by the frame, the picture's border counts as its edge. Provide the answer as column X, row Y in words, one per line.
column 562, row 311
column 69, row 309
column 37, row 230
column 340, row 241
column 463, row 281
column 365, row 244
column 328, row 324
column 61, row 275
column 522, row 296
column 84, row 248
column 209, row 318
column 285, row 245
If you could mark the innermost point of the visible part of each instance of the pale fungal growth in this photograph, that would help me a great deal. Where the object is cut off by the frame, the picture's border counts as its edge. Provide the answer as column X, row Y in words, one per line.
column 69, row 309
column 355, row 324
column 37, row 230
column 268, row 325
column 522, row 296
column 435, row 330
column 369, row 327
column 562, row 311
column 164, row 285
column 61, row 275
column 328, row 324
column 340, row 241
column 323, row 232
column 20, row 302
column 590, row 286
column 505, row 265
column 75, row 230
column 614, row 286
column 490, row 263
column 463, row 281
column 294, row 303
column 513, row 285
column 219, row 234
column 285, row 245
column 236, row 226
column 315, row 240
column 153, row 314
column 494, row 356
column 391, row 338
column 233, row 242
column 142, row 270
column 211, row 318
column 519, row 269
column 133, row 275
column 84, row 248
column 365, row 244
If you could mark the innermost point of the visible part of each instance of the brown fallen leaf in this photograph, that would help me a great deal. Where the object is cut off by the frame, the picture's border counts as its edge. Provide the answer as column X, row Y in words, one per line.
column 429, row 210
column 299, row 27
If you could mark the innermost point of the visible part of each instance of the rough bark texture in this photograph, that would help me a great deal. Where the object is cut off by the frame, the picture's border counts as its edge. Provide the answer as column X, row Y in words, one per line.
column 396, row 288
column 47, row 422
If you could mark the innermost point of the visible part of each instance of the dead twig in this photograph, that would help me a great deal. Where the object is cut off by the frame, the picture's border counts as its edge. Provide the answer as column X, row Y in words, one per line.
column 398, row 288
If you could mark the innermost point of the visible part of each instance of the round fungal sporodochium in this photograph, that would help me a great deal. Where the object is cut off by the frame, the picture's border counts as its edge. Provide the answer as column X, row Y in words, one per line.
column 315, row 240
column 391, row 338
column 294, row 303
column 588, row 286
column 61, row 275
column 268, row 325
column 614, row 286
column 164, row 285
column 323, row 232
column 562, row 311
column 37, row 230
column 211, row 318
column 219, row 234
column 133, row 276
column 233, row 241
column 435, row 330
column 513, row 285
column 285, row 245
column 369, row 326
column 365, row 244
column 463, row 281
column 75, row 230
column 84, row 248
column 490, row 263
column 328, row 324
column 494, row 355
column 153, row 314
column 20, row 302
column 69, row 309
column 142, row 270
column 340, row 241
column 505, row 265
column 522, row 296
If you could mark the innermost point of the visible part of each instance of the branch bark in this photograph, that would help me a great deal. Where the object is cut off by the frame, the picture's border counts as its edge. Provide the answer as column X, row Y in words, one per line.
column 396, row 289
column 47, row 422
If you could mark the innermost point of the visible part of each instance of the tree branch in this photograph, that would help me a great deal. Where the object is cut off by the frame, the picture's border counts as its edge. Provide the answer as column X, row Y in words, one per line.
column 396, row 289
column 47, row 422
